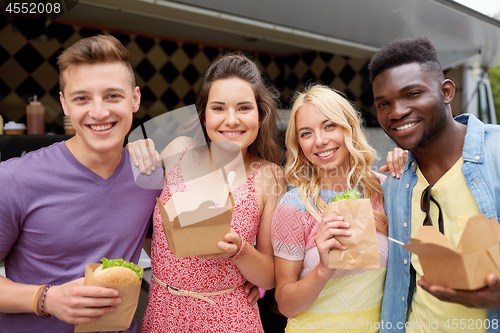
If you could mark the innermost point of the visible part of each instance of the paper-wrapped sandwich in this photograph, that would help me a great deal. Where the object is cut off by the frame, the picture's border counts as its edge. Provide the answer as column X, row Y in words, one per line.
column 361, row 247
column 124, row 276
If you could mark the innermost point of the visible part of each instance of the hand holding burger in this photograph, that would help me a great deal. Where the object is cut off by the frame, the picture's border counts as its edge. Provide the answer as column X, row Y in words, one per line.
column 125, row 278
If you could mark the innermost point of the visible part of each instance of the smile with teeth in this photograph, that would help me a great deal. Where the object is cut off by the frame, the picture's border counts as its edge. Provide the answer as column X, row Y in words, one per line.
column 405, row 126
column 233, row 133
column 101, row 128
column 327, row 153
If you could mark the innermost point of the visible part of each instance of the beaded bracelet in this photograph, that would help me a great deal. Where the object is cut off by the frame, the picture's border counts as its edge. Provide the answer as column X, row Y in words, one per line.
column 35, row 297
column 241, row 250
column 42, row 302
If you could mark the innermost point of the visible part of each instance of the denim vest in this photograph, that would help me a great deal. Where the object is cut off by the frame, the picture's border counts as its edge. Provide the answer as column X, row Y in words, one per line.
column 481, row 169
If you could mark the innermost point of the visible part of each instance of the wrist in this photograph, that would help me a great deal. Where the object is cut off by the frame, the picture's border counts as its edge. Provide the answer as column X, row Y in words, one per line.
column 48, row 306
column 36, row 297
column 241, row 250
column 324, row 273
column 39, row 301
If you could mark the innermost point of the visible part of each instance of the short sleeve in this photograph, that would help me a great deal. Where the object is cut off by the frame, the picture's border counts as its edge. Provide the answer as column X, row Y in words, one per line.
column 382, row 177
column 154, row 181
column 288, row 233
column 10, row 211
column 377, row 206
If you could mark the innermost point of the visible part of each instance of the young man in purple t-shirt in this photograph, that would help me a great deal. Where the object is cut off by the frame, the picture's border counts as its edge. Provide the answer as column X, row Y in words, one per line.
column 72, row 203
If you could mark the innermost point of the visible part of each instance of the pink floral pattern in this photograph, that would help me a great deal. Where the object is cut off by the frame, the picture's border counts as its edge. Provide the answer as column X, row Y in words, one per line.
column 232, row 313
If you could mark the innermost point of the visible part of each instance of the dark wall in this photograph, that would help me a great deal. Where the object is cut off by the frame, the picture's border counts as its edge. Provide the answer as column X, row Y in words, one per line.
column 166, row 71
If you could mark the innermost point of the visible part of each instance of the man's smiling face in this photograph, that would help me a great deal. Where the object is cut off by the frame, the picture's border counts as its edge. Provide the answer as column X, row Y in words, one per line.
column 410, row 104
column 100, row 100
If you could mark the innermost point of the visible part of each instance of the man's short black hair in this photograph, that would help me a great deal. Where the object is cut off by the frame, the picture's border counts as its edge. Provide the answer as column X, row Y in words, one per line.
column 406, row 51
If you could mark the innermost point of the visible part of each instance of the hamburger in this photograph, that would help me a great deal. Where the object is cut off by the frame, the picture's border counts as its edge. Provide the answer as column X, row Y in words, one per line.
column 118, row 271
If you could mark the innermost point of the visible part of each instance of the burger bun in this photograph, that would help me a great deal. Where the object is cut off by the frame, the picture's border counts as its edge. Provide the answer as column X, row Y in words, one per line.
column 116, row 274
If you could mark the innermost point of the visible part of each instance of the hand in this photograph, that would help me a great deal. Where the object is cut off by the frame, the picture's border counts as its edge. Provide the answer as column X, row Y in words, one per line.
column 230, row 246
column 143, row 155
column 484, row 298
column 329, row 228
column 252, row 291
column 75, row 303
column 396, row 160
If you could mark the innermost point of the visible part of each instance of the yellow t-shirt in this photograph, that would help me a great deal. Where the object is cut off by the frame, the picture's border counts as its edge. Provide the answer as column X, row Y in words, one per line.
column 435, row 315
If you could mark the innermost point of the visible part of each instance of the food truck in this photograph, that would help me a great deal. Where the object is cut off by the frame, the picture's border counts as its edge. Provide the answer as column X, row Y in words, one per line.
column 295, row 41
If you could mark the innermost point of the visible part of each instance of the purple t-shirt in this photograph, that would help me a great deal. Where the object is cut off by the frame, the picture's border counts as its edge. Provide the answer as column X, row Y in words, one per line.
column 56, row 216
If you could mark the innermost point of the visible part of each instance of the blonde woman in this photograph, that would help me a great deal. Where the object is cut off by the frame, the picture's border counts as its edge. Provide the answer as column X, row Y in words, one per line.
column 327, row 154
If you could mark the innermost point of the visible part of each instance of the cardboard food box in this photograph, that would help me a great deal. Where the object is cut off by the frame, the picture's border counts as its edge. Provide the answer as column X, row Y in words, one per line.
column 361, row 247
column 119, row 320
column 193, row 226
column 192, row 221
column 477, row 254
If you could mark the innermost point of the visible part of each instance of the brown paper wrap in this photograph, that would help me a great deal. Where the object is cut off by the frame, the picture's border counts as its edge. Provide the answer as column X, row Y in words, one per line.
column 200, row 237
column 119, row 320
column 361, row 251
column 477, row 254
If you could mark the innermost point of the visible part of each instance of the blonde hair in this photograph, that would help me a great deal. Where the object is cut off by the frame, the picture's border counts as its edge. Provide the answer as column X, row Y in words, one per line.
column 299, row 172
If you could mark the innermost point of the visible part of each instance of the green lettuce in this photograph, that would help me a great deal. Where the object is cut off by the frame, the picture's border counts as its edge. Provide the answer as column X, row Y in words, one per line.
column 351, row 194
column 106, row 263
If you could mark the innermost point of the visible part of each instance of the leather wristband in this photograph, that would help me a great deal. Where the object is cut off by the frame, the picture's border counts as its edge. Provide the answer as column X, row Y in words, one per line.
column 34, row 302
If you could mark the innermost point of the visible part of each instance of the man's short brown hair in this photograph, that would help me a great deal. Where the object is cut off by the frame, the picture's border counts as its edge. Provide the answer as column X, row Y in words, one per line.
column 95, row 49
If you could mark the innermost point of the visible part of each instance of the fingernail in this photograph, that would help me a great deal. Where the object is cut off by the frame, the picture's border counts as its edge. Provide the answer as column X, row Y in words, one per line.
column 112, row 310
column 347, row 224
column 393, row 174
column 118, row 301
column 340, row 217
column 348, row 232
